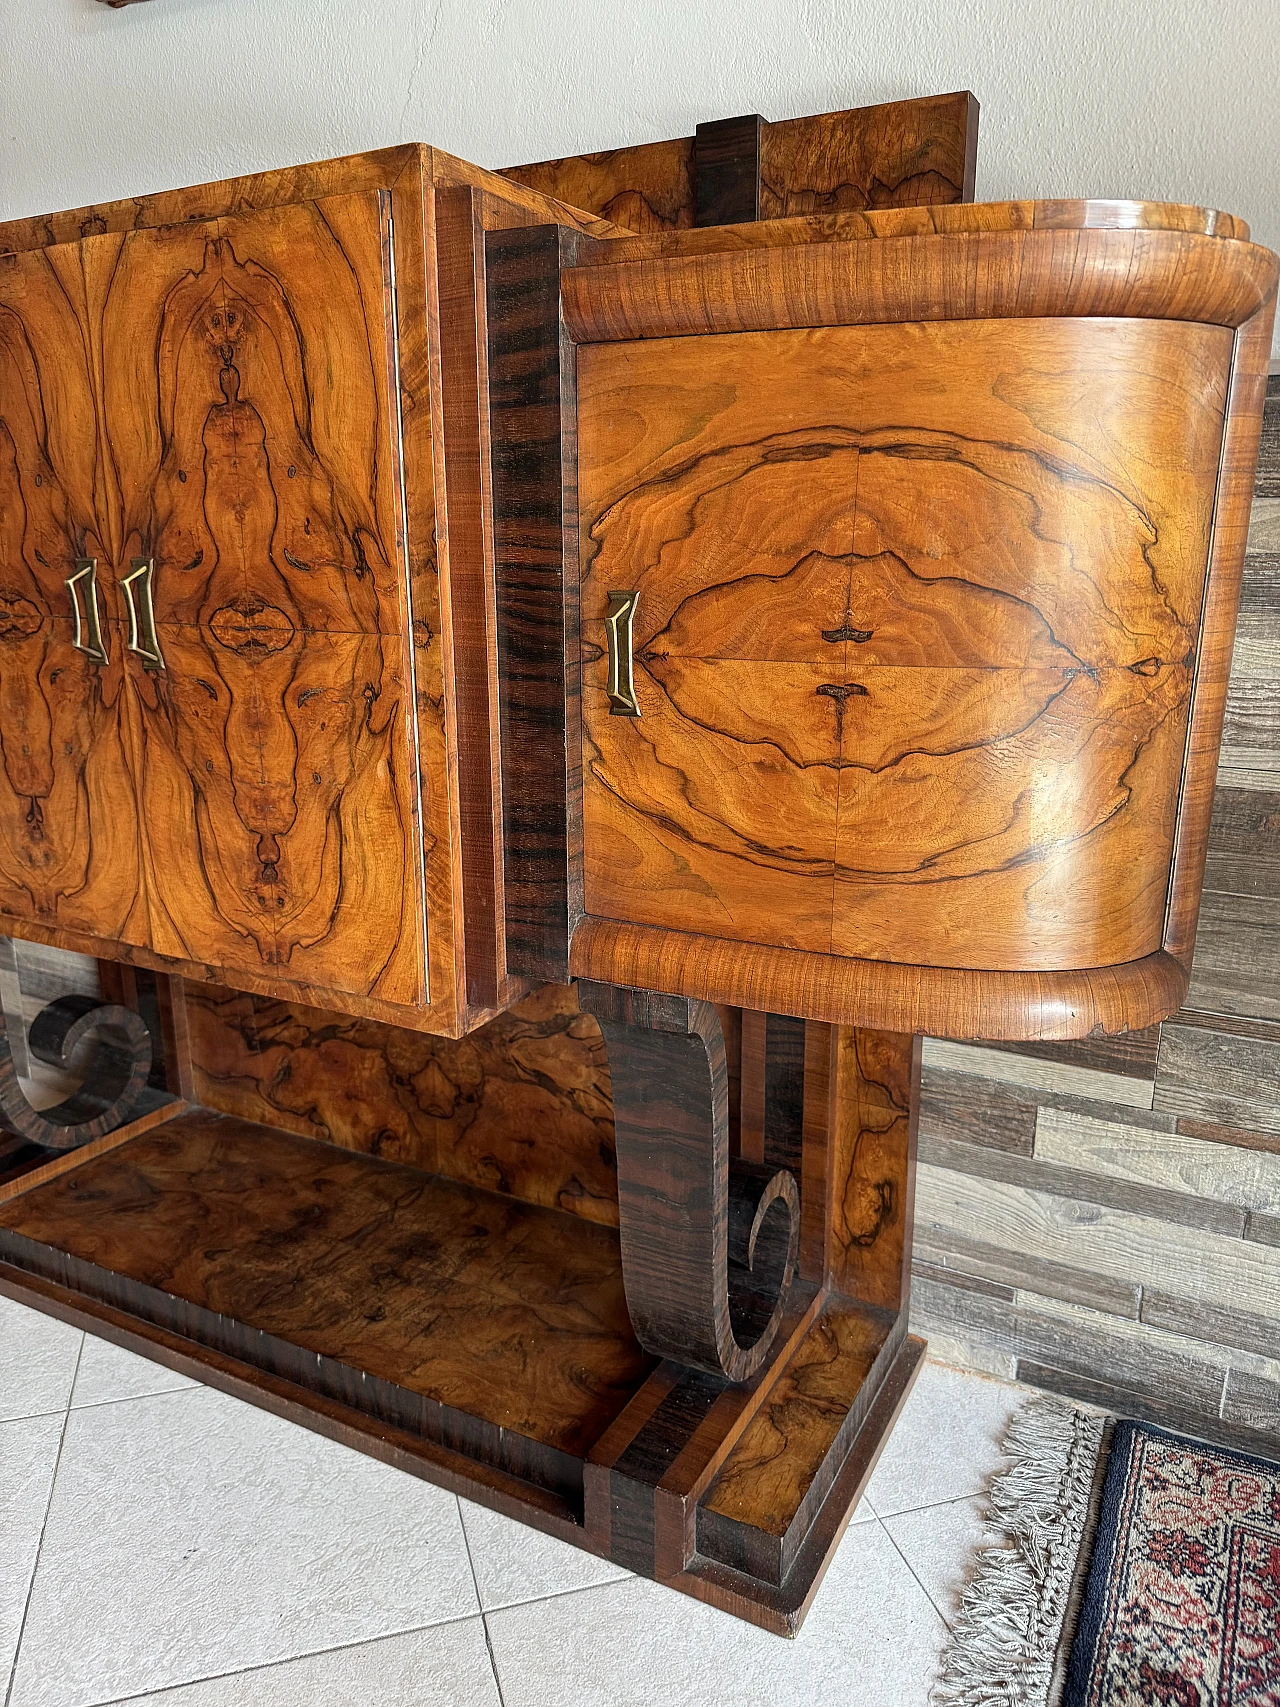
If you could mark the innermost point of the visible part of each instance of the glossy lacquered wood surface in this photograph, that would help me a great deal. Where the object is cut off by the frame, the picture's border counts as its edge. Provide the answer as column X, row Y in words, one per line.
column 709, row 1246
column 1008, row 271
column 523, row 1105
column 914, row 692
column 924, row 220
column 941, row 1001
column 222, row 381
column 897, row 154
column 378, row 169
column 762, row 1504
column 464, row 1297
column 250, row 461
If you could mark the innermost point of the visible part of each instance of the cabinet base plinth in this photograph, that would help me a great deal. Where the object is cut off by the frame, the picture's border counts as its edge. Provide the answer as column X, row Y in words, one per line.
column 362, row 1298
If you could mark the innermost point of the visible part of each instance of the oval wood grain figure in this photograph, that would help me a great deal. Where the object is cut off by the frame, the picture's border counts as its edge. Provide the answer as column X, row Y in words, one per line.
column 914, row 647
column 114, row 1078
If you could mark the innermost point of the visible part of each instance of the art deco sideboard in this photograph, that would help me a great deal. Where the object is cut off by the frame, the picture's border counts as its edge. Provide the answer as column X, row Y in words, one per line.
column 537, row 688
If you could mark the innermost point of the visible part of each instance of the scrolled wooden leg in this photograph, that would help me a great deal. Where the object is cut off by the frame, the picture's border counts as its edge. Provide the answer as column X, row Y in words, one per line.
column 709, row 1246
column 116, row 1077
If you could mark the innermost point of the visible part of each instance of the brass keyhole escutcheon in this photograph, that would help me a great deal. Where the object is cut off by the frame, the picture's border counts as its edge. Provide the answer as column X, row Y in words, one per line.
column 619, row 624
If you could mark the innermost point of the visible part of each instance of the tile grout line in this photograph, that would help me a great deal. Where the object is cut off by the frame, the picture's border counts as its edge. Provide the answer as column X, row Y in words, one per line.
column 484, row 1622
column 284, row 1660
column 48, row 1507
column 946, row 1622
column 137, row 1398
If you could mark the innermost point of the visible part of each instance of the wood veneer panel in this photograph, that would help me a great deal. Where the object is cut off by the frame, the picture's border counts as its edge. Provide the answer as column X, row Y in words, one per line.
column 21, row 1172
column 348, row 1425
column 898, row 154
column 532, row 426
column 477, row 1320
column 379, row 169
column 522, row 1105
column 726, row 170
column 839, row 621
column 782, row 1608
column 68, row 857
column 645, row 188
column 762, row 1504
column 891, row 155
column 937, row 1000
column 375, row 170
column 249, row 458
column 1218, row 622
column 464, row 408
column 934, row 220
column 1020, row 274
column 874, row 1112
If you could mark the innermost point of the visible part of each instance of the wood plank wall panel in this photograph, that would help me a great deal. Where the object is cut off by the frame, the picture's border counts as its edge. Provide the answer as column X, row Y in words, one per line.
column 1103, row 1218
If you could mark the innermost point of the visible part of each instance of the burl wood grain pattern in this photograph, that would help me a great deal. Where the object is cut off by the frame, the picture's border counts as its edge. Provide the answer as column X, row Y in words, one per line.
column 68, row 839
column 521, row 1106
column 296, row 1255
column 709, row 1246
column 646, row 188
column 274, row 763
column 872, row 1143
column 249, row 801
column 222, row 382
column 913, row 647
column 898, row 154
column 762, row 1504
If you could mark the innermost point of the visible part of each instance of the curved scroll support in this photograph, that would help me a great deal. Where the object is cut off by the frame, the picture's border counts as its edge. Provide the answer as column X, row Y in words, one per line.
column 709, row 1246
column 116, row 1076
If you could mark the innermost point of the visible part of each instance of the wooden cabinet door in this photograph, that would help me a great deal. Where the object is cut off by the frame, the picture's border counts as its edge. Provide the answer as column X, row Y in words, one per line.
column 918, row 608
column 69, row 855
column 251, row 408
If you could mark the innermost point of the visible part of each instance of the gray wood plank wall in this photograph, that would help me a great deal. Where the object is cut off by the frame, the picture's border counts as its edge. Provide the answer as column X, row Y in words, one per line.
column 1103, row 1218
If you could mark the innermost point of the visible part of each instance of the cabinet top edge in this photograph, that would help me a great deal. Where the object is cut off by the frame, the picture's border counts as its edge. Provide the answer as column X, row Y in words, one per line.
column 938, row 220
column 254, row 192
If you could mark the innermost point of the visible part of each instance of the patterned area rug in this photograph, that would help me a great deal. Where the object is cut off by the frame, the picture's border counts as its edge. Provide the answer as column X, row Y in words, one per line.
column 1180, row 1603
column 1182, row 1607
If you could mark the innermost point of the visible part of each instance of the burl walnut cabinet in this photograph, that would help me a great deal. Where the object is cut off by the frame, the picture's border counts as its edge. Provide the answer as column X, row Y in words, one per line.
column 538, row 688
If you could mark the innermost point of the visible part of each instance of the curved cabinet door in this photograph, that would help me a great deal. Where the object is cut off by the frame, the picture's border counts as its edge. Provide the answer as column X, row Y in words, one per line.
column 913, row 648
column 69, row 855
column 260, row 466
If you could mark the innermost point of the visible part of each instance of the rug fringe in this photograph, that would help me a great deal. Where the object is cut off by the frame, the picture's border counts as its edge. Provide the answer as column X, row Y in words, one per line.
column 1003, row 1647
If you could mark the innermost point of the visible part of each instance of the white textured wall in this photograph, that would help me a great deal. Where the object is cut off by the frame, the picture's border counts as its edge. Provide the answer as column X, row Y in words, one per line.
column 1175, row 100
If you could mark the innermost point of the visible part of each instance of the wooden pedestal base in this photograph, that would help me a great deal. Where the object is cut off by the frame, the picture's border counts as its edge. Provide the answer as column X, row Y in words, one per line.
column 486, row 1342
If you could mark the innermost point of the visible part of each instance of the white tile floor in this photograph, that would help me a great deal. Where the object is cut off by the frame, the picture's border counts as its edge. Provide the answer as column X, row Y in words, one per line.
column 162, row 1543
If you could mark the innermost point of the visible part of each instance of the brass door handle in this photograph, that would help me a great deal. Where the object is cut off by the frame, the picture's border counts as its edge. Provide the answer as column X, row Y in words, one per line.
column 87, row 637
column 142, row 613
column 618, row 624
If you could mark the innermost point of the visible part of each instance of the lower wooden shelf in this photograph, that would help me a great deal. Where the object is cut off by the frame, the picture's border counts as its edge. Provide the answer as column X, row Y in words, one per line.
column 339, row 1287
